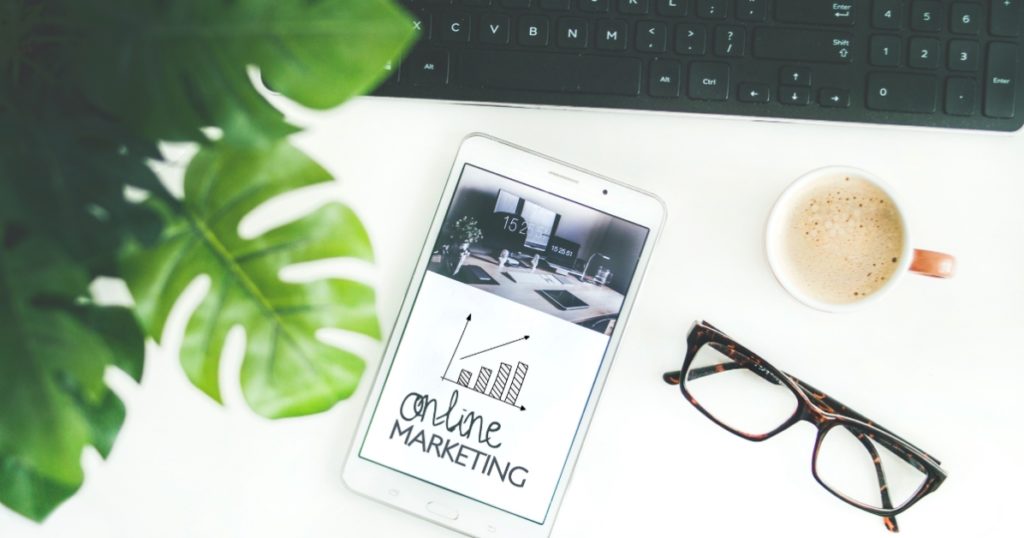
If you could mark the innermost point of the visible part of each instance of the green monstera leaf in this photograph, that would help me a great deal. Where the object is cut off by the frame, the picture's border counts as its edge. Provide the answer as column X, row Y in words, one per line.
column 55, row 347
column 172, row 67
column 286, row 371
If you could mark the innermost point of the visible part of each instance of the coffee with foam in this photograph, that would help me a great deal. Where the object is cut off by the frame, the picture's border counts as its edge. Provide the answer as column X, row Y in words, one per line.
column 842, row 239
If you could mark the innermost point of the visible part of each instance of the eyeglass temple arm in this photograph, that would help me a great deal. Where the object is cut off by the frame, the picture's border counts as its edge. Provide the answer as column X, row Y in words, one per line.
column 704, row 371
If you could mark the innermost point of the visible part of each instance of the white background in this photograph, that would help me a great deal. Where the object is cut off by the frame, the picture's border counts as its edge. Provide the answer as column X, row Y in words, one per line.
column 939, row 362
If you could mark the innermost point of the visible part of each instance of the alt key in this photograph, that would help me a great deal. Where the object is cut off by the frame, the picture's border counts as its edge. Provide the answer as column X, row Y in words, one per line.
column 834, row 98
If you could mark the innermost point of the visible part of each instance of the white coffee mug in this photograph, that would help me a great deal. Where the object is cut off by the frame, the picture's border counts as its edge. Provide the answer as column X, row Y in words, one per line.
column 925, row 262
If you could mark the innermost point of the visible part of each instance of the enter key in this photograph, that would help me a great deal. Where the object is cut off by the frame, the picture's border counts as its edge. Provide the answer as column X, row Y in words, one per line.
column 1001, row 80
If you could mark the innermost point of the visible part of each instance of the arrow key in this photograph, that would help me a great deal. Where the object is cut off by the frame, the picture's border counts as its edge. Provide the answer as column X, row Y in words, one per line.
column 755, row 93
column 834, row 98
column 794, row 95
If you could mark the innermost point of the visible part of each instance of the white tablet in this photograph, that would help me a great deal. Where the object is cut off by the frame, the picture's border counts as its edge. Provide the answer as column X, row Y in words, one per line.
column 503, row 342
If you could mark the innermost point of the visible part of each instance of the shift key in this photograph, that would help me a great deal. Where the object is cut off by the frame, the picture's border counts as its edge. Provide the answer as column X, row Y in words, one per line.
column 800, row 45
column 1000, row 80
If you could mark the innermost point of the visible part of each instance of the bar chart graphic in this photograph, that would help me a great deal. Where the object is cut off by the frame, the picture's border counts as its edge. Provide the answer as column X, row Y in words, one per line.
column 505, row 385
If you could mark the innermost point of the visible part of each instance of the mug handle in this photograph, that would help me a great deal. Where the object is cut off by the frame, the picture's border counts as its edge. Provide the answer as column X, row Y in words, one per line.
column 933, row 264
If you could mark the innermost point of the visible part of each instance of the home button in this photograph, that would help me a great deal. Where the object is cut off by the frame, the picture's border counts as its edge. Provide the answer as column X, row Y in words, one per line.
column 439, row 509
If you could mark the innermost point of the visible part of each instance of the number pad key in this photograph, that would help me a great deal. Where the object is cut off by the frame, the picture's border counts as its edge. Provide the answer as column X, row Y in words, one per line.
column 886, row 50
column 960, row 96
column 926, row 15
column 965, row 19
column 963, row 55
column 730, row 41
column 901, row 92
column 885, row 14
column 924, row 53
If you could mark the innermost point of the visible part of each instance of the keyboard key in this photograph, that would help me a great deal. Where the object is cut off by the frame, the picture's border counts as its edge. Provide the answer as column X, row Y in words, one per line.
column 555, row 5
column 965, row 18
column 1000, row 80
column 712, row 9
column 901, row 92
column 751, row 10
column 421, row 24
column 926, row 15
column 924, row 53
column 572, row 33
column 634, row 7
column 691, row 39
column 816, row 12
column 886, row 50
column 477, row 3
column 455, row 27
column 533, row 31
column 960, row 96
column 651, row 36
column 494, row 29
column 709, row 81
column 730, row 40
column 754, row 93
column 611, row 35
column 885, row 14
column 664, row 79
column 595, row 6
column 427, row 68
column 672, row 8
column 834, row 98
column 516, row 4
column 963, row 55
column 795, row 76
column 1004, row 19
column 826, row 46
column 539, row 71
column 794, row 95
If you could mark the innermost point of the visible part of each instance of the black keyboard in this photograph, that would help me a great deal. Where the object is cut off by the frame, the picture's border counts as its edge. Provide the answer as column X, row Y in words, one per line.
column 937, row 63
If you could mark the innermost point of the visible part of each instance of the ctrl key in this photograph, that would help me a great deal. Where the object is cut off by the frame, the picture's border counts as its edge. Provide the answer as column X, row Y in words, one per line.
column 709, row 81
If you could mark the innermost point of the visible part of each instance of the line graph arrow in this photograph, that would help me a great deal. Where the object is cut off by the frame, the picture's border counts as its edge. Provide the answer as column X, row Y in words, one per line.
column 510, row 342
column 457, row 344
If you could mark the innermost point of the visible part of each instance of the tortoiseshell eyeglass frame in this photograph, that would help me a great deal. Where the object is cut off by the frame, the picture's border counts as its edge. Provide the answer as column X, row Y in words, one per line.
column 815, row 407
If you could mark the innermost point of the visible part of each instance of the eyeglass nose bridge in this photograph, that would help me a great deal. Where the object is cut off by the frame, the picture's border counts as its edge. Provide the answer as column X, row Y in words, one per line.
column 816, row 411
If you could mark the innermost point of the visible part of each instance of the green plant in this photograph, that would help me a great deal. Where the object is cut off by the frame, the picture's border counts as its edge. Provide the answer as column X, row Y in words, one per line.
column 87, row 92
column 465, row 230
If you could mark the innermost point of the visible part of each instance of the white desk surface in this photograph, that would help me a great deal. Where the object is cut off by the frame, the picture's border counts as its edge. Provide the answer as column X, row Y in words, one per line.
column 939, row 362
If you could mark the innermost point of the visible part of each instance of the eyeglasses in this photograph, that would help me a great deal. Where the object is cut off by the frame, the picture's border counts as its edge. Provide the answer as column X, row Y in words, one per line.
column 855, row 459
